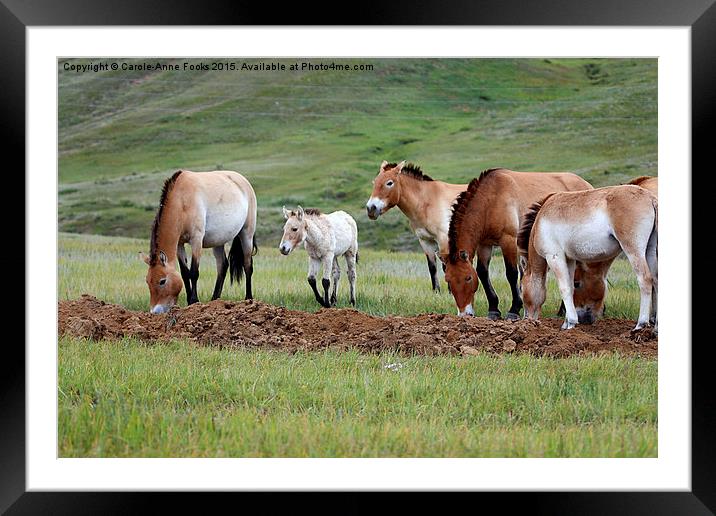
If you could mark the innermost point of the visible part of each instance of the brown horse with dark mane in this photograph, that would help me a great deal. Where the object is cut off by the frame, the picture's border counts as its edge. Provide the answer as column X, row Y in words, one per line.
column 488, row 214
column 426, row 202
column 202, row 209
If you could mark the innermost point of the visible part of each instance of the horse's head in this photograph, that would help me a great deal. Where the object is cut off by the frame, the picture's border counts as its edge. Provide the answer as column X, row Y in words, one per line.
column 294, row 231
column 386, row 190
column 534, row 291
column 164, row 283
column 590, row 288
column 462, row 281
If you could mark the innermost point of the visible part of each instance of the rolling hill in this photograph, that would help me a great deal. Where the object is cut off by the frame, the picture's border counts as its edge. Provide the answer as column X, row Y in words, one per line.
column 317, row 137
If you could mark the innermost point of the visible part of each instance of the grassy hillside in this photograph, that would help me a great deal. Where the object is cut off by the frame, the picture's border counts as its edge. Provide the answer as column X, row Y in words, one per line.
column 317, row 138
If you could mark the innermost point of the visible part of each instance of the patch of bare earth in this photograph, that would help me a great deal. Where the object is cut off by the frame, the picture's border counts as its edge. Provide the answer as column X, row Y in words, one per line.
column 254, row 324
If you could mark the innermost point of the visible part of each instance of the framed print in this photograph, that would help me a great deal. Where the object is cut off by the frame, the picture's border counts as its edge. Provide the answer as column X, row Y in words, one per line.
column 345, row 368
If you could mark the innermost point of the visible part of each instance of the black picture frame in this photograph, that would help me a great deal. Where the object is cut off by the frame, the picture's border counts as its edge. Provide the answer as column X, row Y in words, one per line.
column 700, row 15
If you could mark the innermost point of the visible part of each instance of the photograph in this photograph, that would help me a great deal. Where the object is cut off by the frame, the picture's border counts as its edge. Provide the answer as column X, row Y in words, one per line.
column 364, row 257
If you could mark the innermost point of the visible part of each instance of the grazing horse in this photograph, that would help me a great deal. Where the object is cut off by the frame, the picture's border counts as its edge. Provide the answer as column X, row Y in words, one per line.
column 651, row 183
column 203, row 209
column 590, row 279
column 326, row 238
column 426, row 203
column 488, row 214
column 590, row 226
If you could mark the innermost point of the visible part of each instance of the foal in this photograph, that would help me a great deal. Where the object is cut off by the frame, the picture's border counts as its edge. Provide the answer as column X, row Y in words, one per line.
column 590, row 226
column 326, row 238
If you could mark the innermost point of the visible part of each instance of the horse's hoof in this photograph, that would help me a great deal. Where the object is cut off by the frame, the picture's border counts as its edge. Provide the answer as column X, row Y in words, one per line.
column 494, row 316
column 566, row 325
column 511, row 316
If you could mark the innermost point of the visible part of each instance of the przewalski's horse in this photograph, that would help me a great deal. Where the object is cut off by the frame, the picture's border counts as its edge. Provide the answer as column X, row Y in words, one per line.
column 590, row 279
column 651, row 183
column 202, row 209
column 590, row 226
column 326, row 238
column 426, row 203
column 488, row 214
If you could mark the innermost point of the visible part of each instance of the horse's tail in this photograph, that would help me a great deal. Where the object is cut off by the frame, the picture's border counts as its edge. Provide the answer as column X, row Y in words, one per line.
column 654, row 236
column 523, row 235
column 236, row 258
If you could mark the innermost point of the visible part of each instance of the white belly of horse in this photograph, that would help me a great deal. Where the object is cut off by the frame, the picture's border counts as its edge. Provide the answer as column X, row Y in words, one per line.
column 589, row 241
column 223, row 223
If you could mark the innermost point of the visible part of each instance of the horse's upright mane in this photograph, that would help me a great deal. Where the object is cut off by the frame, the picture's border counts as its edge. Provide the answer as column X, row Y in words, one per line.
column 523, row 235
column 412, row 170
column 459, row 210
column 153, row 251
column 638, row 180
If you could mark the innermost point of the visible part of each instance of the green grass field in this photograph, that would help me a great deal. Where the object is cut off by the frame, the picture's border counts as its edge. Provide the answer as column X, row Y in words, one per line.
column 132, row 398
column 129, row 399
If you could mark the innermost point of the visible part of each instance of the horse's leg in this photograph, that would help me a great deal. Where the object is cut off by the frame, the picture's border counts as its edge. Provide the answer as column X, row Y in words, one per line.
column 247, row 245
column 314, row 266
column 351, row 266
column 652, row 262
column 194, row 269
column 222, row 265
column 336, row 275
column 327, row 263
column 564, row 272
column 484, row 255
column 646, row 284
column 509, row 252
column 184, row 269
column 429, row 250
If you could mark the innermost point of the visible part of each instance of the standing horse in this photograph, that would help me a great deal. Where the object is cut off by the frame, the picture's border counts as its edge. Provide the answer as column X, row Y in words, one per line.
column 488, row 214
column 590, row 226
column 326, row 238
column 203, row 209
column 590, row 279
column 426, row 203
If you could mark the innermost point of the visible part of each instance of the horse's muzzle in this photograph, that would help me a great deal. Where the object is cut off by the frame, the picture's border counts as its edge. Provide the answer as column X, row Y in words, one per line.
column 585, row 317
column 284, row 249
column 373, row 212
column 160, row 309
column 468, row 312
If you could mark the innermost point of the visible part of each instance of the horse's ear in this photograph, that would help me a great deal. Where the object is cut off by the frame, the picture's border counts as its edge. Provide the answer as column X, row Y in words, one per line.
column 464, row 255
column 383, row 165
column 299, row 212
column 286, row 213
column 400, row 166
column 143, row 257
column 163, row 258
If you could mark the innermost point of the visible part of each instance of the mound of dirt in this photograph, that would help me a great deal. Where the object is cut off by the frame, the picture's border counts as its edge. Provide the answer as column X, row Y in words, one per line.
column 255, row 324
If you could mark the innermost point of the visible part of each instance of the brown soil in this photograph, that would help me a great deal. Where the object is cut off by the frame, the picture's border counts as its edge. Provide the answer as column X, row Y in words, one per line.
column 255, row 324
